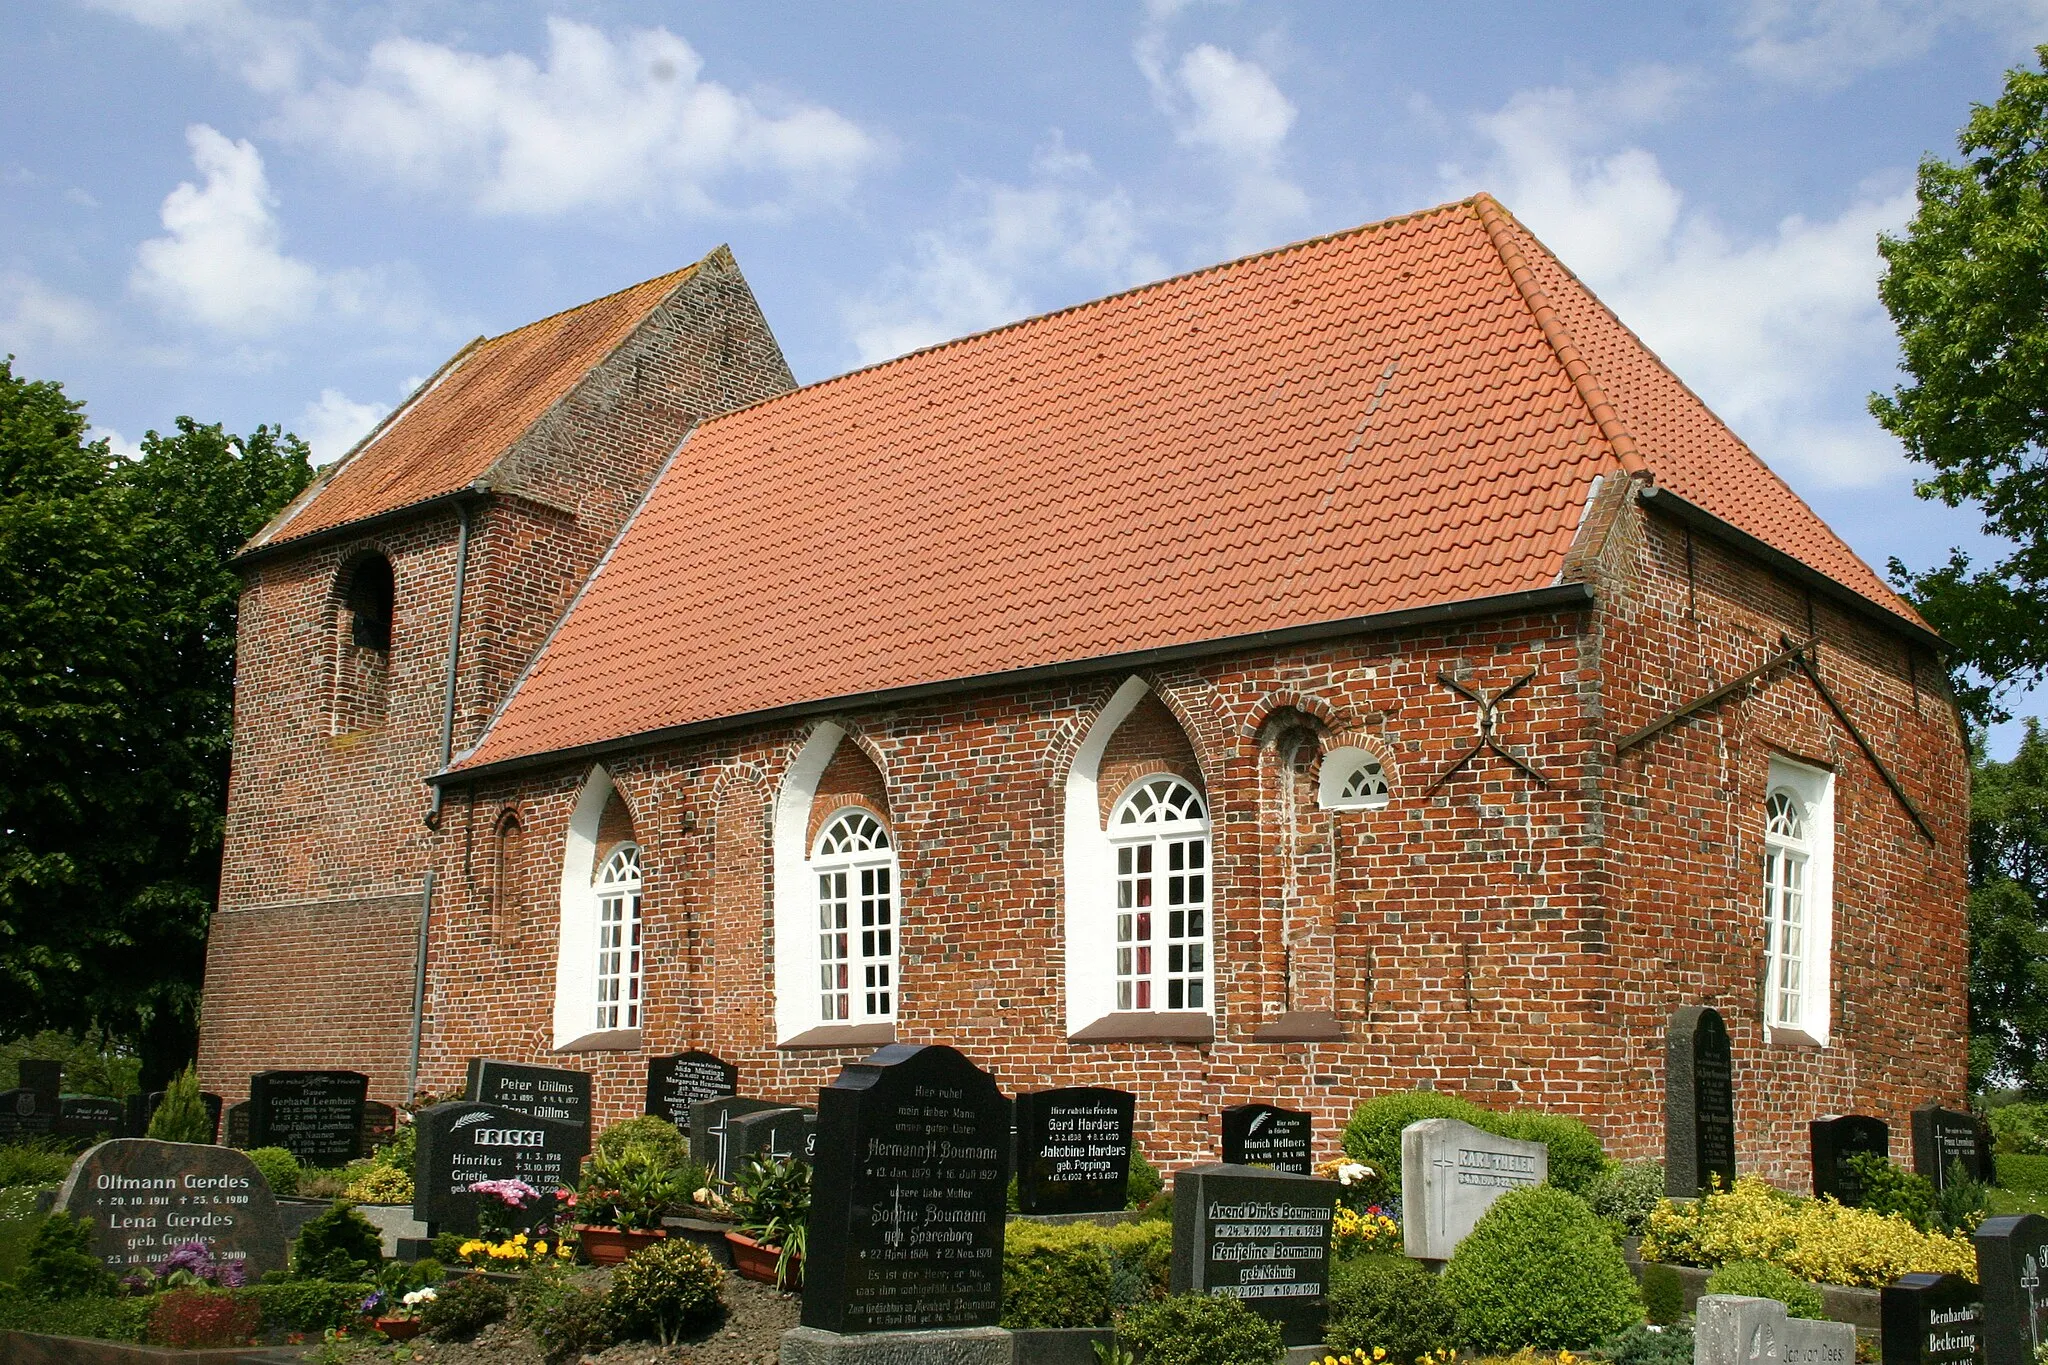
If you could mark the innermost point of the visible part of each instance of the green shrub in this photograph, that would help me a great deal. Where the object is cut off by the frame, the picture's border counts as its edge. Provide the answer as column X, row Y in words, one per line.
column 1373, row 1135
column 1890, row 1189
column 182, row 1117
column 1391, row 1302
column 1762, row 1280
column 340, row 1244
column 310, row 1305
column 464, row 1307
column 402, row 1152
column 61, row 1264
column 1145, row 1183
column 1627, row 1193
column 667, row 1290
column 1962, row 1203
column 1641, row 1345
column 1079, row 1274
column 2023, row 1174
column 100, row 1316
column 2019, row 1129
column 198, row 1319
column 1576, row 1161
column 1540, row 1270
column 651, row 1131
column 370, row 1183
column 1663, row 1291
column 1198, row 1329
column 33, row 1163
column 565, row 1320
column 280, row 1169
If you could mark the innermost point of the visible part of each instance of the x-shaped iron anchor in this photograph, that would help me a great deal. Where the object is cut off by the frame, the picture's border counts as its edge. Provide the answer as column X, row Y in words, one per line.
column 1489, row 720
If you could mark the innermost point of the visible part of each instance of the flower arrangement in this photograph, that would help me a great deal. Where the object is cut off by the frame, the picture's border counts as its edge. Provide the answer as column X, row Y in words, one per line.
column 190, row 1265
column 1374, row 1357
column 1357, row 1179
column 516, row 1252
column 503, row 1203
column 1363, row 1232
column 631, row 1191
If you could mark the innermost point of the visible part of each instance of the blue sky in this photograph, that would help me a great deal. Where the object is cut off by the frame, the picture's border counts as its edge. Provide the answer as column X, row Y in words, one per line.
column 269, row 213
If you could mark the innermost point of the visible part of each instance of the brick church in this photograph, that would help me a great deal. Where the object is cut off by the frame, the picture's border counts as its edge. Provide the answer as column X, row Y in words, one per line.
column 1358, row 666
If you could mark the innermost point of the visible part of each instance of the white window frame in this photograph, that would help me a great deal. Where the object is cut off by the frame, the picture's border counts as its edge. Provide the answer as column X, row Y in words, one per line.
column 577, row 931
column 617, row 973
column 1798, row 858
column 1161, row 929
column 853, row 868
column 1353, row 778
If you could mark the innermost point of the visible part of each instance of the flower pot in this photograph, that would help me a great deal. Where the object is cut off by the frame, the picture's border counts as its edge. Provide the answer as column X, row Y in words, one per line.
column 611, row 1246
column 756, row 1262
column 399, row 1329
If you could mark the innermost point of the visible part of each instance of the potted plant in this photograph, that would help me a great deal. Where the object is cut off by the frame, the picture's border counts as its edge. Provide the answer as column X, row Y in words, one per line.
column 402, row 1323
column 622, row 1201
column 772, row 1200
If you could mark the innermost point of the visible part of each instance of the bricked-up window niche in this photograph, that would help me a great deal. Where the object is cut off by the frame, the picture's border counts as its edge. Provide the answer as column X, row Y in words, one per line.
column 618, row 940
column 854, row 866
column 508, row 876
column 600, row 998
column 1160, row 830
column 1797, row 900
column 366, row 593
column 1352, row 778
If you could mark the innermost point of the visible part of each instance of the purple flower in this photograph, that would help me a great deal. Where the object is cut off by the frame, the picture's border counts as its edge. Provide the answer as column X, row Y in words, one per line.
column 232, row 1275
column 369, row 1305
column 193, row 1256
column 513, row 1194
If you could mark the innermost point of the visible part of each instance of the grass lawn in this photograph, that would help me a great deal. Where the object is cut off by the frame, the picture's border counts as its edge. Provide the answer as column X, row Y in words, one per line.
column 18, row 1223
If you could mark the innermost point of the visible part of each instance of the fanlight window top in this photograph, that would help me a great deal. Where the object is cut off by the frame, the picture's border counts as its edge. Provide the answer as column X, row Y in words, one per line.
column 1353, row 779
column 622, row 868
column 852, row 831
column 1785, row 816
column 1159, row 801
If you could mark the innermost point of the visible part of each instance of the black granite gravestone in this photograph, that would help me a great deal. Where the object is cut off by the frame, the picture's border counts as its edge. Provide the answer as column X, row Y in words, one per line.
column 2012, row 1260
column 675, row 1083
column 907, row 1205
column 45, row 1078
column 23, row 1117
column 317, row 1116
column 207, row 1098
column 710, row 1135
column 1074, row 1149
column 546, row 1092
column 238, row 1125
column 1259, row 1236
column 1835, row 1138
column 91, row 1116
column 1699, row 1103
column 380, row 1125
column 146, row 1198
column 466, row 1141
column 1943, row 1137
column 1267, row 1135
column 773, row 1134
column 1931, row 1320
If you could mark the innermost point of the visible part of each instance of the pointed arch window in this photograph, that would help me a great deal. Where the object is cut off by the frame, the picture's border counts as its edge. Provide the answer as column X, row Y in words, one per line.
column 854, row 866
column 618, row 940
column 1160, row 832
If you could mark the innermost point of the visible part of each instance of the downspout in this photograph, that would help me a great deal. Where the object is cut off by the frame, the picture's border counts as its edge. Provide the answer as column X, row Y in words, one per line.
column 454, row 659
column 419, row 984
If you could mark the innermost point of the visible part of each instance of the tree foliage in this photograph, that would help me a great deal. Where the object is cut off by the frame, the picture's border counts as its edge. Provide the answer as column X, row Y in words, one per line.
column 117, row 619
column 2008, row 902
column 1967, row 288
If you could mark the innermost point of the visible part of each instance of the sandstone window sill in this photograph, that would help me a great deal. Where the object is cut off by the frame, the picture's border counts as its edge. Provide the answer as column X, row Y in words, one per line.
column 610, row 1040
column 1150, row 1026
column 1792, row 1037
column 1302, row 1026
column 840, row 1035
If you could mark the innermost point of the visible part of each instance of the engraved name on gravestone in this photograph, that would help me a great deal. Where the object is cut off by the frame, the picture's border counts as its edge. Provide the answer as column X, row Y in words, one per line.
column 2012, row 1275
column 675, row 1083
column 1699, row 1103
column 145, row 1198
column 1734, row 1329
column 1074, row 1149
column 317, row 1116
column 1451, row 1173
column 1943, row 1137
column 380, row 1125
column 546, row 1092
column 908, row 1195
column 238, row 1125
column 22, row 1115
column 1267, row 1135
column 1834, row 1139
column 710, row 1133
column 771, row 1134
column 1931, row 1320
column 465, row 1141
column 91, row 1116
column 1259, row 1236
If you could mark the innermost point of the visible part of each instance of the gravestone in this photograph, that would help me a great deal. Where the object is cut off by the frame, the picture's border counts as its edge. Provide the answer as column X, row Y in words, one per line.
column 546, row 1092
column 1734, row 1329
column 45, row 1078
column 908, row 1195
column 1931, row 1320
column 1699, row 1103
column 710, row 1137
column 238, row 1125
column 1834, row 1139
column 1074, row 1149
column 24, row 1116
column 146, row 1198
column 1259, row 1236
column 1267, row 1135
column 2012, row 1263
column 317, row 1116
column 772, row 1134
column 1451, row 1173
column 91, row 1116
column 465, row 1141
column 380, row 1125
column 676, row 1083
column 155, row 1102
column 1942, row 1137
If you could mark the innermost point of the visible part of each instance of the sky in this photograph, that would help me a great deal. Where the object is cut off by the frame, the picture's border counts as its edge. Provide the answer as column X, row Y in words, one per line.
column 289, row 214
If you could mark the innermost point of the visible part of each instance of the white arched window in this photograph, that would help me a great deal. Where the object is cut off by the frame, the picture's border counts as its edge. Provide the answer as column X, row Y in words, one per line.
column 1797, row 894
column 1352, row 779
column 1160, row 831
column 854, row 867
column 617, row 893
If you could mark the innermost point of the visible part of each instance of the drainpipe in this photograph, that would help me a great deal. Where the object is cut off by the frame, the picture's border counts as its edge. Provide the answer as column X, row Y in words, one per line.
column 454, row 659
column 419, row 985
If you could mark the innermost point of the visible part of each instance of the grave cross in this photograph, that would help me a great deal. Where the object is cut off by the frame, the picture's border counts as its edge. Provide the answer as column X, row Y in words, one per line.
column 1489, row 729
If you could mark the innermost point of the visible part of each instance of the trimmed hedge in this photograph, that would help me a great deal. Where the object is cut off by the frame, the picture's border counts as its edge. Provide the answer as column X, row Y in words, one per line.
column 1079, row 1274
column 1199, row 1329
column 1762, row 1280
column 2022, row 1174
column 1540, row 1270
column 108, row 1319
column 1390, row 1302
column 1373, row 1135
column 310, row 1305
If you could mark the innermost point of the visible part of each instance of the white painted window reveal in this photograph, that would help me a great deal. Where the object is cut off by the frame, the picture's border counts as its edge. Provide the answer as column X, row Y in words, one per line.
column 618, row 939
column 1798, row 895
column 854, row 865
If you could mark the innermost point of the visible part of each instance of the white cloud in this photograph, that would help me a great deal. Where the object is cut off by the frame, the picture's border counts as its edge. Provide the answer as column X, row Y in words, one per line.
column 267, row 52
column 604, row 124
column 1776, row 331
column 1005, row 259
column 1230, row 108
column 33, row 316
column 116, row 442
column 1827, row 43
column 334, row 422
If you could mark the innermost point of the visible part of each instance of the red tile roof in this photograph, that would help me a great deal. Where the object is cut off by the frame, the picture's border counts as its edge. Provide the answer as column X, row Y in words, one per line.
column 455, row 428
column 1403, row 415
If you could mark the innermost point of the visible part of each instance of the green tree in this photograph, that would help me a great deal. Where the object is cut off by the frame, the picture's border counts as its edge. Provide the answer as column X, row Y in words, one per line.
column 117, row 614
column 1967, row 288
column 2008, row 898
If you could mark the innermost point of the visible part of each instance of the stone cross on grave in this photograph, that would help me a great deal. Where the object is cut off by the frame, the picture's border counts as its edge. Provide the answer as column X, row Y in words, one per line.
column 2030, row 1280
column 717, row 1133
column 1489, row 729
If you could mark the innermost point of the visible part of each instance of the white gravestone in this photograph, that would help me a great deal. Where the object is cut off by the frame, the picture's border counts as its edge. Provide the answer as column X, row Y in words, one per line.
column 1451, row 1173
column 1733, row 1329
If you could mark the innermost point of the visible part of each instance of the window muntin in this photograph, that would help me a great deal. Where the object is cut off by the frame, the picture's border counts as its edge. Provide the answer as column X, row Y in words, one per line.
column 618, row 940
column 855, row 867
column 1160, row 834
column 1786, row 858
column 1353, row 779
